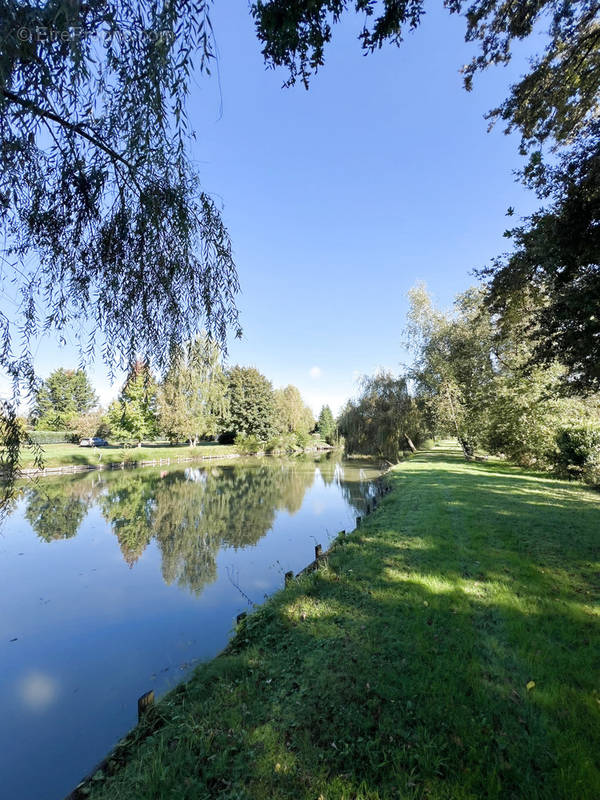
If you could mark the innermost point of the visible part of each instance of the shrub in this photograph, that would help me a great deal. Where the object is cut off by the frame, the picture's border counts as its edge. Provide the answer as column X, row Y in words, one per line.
column 303, row 439
column 54, row 437
column 578, row 452
column 284, row 443
column 248, row 445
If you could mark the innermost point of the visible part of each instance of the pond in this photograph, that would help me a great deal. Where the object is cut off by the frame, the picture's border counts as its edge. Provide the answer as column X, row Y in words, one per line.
column 117, row 582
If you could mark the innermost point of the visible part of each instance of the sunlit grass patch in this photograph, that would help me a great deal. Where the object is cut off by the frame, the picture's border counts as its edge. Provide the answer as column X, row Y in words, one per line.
column 447, row 650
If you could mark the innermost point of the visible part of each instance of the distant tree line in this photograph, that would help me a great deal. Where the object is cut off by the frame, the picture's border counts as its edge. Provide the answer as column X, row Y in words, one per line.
column 474, row 376
column 196, row 399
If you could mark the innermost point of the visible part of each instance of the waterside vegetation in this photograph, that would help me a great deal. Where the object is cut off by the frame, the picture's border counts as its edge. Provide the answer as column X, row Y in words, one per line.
column 447, row 648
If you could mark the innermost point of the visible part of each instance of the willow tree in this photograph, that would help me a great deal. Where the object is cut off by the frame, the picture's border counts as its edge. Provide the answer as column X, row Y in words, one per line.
column 383, row 420
column 192, row 398
column 453, row 368
column 107, row 230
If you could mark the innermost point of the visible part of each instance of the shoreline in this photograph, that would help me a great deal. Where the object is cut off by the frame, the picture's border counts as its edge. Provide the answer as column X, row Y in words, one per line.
column 70, row 469
column 369, row 668
column 321, row 557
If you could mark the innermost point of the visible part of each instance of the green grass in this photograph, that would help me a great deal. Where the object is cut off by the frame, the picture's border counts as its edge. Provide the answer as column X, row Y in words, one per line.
column 400, row 669
column 56, row 455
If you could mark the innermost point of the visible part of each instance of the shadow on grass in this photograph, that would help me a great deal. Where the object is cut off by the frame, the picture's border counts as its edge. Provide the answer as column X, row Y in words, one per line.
column 402, row 669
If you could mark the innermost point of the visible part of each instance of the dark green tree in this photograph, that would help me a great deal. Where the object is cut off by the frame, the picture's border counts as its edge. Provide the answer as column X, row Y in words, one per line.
column 552, row 278
column 326, row 425
column 251, row 403
column 64, row 395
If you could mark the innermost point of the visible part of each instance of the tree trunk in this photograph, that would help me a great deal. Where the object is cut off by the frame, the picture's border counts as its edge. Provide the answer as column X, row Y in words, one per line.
column 410, row 444
column 463, row 442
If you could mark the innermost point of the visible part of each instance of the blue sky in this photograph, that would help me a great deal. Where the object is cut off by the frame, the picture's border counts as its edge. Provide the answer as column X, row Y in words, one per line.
column 339, row 199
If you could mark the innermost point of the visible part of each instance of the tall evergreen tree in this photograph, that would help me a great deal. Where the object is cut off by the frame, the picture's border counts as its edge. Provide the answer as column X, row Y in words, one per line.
column 326, row 425
column 64, row 395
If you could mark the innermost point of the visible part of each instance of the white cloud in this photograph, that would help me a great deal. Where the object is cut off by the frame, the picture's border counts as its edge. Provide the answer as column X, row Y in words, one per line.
column 315, row 372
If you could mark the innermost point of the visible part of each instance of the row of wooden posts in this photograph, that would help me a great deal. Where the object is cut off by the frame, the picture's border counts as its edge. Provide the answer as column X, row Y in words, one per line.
column 147, row 699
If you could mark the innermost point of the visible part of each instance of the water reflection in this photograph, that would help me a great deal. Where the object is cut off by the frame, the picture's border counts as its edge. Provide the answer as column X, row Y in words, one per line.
column 190, row 513
column 55, row 510
column 117, row 581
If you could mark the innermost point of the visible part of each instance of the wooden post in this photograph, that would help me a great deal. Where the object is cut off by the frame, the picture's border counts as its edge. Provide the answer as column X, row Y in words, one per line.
column 358, row 522
column 240, row 617
column 289, row 576
column 318, row 552
column 144, row 703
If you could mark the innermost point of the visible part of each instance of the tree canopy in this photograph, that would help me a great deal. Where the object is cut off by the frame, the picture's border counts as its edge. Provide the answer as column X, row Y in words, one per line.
column 251, row 403
column 134, row 417
column 192, row 399
column 63, row 396
column 556, row 98
column 552, row 277
column 97, row 184
column 554, row 106
column 326, row 425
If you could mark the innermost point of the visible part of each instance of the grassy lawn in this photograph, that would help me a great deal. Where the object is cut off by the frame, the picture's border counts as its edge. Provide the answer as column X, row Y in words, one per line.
column 56, row 455
column 449, row 649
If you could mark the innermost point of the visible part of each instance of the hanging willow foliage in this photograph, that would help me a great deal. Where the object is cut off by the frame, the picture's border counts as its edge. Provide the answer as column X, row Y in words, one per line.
column 108, row 233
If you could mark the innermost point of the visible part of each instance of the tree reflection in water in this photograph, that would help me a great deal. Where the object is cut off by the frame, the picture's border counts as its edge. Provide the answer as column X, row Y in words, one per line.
column 192, row 513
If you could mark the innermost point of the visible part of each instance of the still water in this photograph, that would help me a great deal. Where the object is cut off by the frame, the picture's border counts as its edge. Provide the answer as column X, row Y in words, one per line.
column 113, row 583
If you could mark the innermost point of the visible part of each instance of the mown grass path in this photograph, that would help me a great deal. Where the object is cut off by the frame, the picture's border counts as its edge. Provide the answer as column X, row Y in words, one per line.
column 401, row 669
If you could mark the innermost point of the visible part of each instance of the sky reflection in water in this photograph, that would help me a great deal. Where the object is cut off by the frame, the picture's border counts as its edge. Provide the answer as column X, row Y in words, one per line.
column 116, row 582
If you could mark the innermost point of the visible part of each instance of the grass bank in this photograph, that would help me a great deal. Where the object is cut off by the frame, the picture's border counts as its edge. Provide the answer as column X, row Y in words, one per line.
column 71, row 455
column 66, row 455
column 449, row 649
